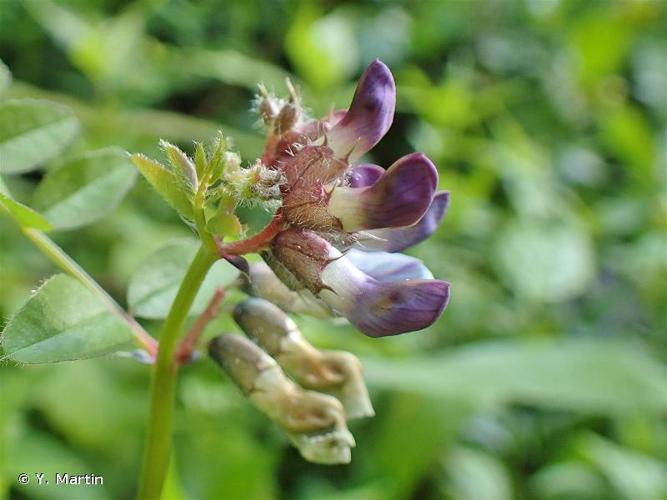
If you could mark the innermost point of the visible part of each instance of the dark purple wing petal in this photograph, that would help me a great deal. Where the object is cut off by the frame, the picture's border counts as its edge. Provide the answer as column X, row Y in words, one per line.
column 399, row 238
column 399, row 198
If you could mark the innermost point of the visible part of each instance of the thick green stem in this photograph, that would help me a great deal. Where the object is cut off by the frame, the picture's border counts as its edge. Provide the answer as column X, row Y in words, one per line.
column 58, row 256
column 163, row 383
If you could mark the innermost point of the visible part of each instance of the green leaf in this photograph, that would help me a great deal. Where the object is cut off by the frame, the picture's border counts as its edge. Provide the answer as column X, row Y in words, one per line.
column 232, row 68
column 5, row 77
column 601, row 377
column 245, row 470
column 63, row 321
column 85, row 188
column 23, row 214
column 32, row 132
column 432, row 422
column 475, row 474
column 568, row 479
column 322, row 48
column 172, row 187
column 154, row 285
column 549, row 262
column 634, row 475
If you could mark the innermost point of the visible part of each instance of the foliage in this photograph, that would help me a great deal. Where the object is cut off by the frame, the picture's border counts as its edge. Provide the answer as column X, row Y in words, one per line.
column 544, row 379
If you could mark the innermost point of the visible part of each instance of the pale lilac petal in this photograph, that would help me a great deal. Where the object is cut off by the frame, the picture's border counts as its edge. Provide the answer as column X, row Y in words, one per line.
column 364, row 175
column 387, row 267
column 370, row 115
column 399, row 238
column 399, row 198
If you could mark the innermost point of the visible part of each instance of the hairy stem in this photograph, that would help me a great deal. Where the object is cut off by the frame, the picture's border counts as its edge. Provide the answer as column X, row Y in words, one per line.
column 163, row 382
column 58, row 256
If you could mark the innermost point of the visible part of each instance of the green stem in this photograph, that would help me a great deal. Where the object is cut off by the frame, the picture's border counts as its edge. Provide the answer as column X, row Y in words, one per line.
column 58, row 256
column 163, row 383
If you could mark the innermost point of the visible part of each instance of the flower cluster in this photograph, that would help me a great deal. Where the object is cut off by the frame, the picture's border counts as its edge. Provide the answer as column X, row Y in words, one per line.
column 330, row 250
column 340, row 222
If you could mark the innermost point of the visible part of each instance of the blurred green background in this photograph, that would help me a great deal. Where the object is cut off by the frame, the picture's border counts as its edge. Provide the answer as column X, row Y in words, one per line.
column 545, row 377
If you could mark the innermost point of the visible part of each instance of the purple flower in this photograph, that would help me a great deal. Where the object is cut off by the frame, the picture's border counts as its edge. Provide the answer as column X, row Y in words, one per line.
column 336, row 215
column 398, row 299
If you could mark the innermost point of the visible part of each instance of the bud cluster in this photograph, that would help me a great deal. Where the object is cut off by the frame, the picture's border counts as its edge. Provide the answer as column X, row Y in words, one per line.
column 279, row 115
column 326, row 388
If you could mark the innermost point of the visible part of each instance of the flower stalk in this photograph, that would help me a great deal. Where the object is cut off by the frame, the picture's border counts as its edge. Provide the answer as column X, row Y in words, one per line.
column 163, row 381
column 255, row 243
column 187, row 346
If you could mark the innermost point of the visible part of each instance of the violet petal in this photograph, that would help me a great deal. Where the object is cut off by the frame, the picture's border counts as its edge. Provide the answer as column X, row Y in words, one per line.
column 364, row 175
column 370, row 115
column 400, row 307
column 399, row 198
column 399, row 238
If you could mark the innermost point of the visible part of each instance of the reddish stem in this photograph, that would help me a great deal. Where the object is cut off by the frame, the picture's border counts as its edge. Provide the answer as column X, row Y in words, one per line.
column 255, row 243
column 187, row 345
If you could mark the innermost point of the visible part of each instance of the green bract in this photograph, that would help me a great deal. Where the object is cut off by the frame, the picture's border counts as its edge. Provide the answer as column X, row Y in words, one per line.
column 170, row 184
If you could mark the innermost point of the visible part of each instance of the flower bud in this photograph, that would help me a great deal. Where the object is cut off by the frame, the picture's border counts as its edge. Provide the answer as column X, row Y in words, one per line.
column 231, row 160
column 287, row 118
column 266, row 182
column 266, row 105
column 267, row 110
column 334, row 372
column 314, row 422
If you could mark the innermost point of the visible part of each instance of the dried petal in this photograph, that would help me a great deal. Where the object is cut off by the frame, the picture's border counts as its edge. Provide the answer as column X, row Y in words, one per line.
column 241, row 359
column 314, row 422
column 334, row 372
column 265, row 284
